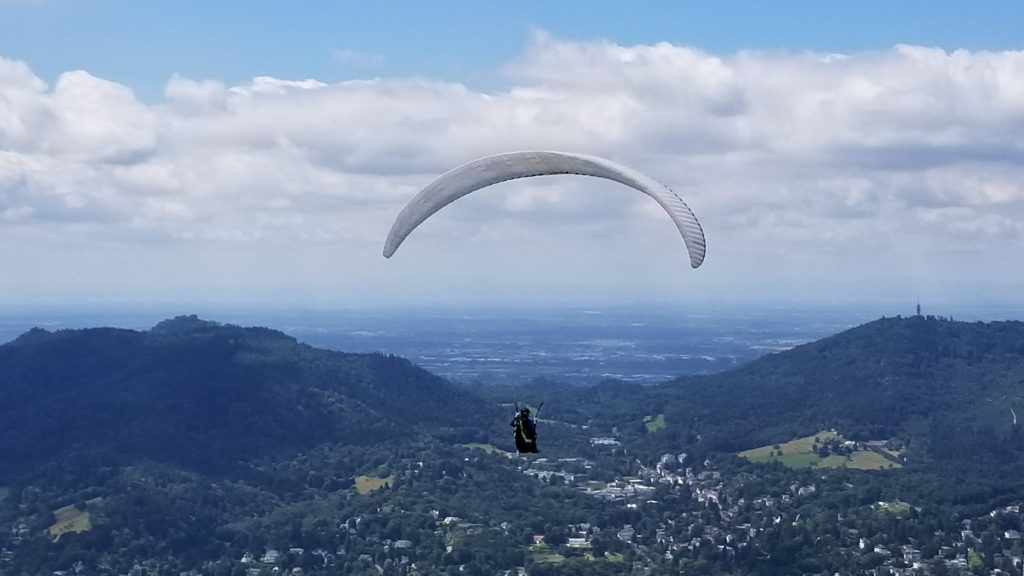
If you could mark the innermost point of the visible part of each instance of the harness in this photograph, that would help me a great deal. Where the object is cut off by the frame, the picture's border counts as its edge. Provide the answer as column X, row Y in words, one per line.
column 525, row 430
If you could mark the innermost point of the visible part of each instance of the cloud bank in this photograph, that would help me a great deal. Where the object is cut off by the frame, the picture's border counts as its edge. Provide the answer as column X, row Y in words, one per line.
column 813, row 174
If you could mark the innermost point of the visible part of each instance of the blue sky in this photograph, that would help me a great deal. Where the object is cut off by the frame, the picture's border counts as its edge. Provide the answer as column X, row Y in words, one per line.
column 258, row 151
column 142, row 44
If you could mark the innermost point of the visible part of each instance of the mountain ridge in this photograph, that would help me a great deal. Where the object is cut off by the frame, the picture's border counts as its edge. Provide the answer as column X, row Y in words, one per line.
column 200, row 392
column 204, row 394
column 881, row 379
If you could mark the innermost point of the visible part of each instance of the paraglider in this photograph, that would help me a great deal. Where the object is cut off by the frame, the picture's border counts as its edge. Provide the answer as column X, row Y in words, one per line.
column 525, row 430
column 484, row 172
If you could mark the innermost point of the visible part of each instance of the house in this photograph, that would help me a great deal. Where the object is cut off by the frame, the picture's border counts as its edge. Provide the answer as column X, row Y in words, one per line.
column 627, row 533
column 271, row 556
column 705, row 495
column 580, row 542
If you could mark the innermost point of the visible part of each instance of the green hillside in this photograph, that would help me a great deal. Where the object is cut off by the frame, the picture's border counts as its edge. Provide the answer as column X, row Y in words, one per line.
column 207, row 396
column 198, row 448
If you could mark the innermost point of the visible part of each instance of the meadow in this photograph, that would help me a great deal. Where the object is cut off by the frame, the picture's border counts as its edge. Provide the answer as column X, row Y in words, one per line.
column 801, row 453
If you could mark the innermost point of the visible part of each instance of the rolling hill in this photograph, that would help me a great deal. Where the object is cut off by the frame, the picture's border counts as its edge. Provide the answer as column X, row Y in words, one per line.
column 205, row 396
column 941, row 388
column 197, row 443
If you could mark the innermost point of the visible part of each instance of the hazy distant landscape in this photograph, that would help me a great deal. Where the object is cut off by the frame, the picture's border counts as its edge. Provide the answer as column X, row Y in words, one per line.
column 647, row 343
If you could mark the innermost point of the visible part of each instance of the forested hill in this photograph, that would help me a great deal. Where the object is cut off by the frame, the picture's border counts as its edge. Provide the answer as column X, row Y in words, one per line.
column 118, row 453
column 944, row 386
column 950, row 384
column 206, row 395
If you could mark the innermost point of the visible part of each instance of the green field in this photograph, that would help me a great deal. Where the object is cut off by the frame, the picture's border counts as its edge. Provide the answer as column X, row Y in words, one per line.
column 654, row 423
column 367, row 484
column 799, row 453
column 69, row 519
column 868, row 460
column 790, row 450
column 542, row 553
column 547, row 556
column 489, row 448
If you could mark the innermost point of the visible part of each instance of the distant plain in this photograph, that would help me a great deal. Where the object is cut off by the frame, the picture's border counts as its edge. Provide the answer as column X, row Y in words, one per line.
column 644, row 343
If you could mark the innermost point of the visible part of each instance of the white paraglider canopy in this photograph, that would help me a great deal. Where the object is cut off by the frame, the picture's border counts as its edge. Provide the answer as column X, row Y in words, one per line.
column 484, row 172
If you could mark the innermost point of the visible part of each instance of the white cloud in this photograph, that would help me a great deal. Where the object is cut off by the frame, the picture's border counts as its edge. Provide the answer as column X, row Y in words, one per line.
column 793, row 162
column 24, row 109
column 192, row 97
column 99, row 121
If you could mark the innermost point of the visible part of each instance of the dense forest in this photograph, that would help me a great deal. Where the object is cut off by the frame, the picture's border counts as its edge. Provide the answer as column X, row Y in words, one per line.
column 203, row 448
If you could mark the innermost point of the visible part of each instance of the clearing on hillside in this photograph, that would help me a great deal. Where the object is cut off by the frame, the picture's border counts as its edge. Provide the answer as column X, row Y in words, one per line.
column 654, row 423
column 871, row 460
column 69, row 519
column 543, row 554
column 802, row 453
column 801, row 446
column 367, row 484
column 489, row 448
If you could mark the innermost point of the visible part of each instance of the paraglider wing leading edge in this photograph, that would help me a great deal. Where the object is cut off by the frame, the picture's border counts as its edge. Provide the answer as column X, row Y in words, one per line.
column 484, row 172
